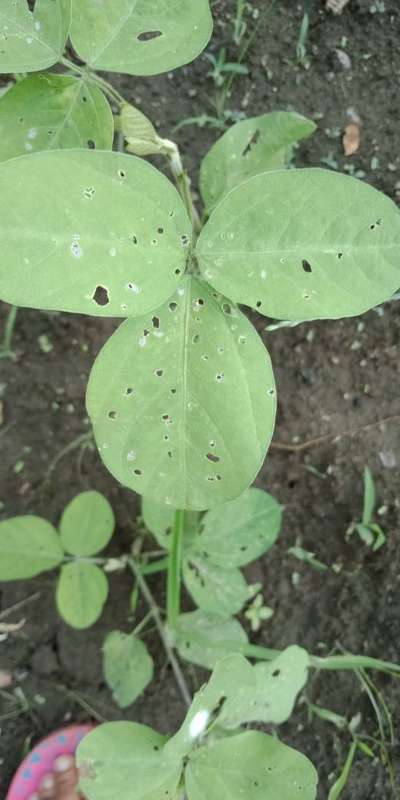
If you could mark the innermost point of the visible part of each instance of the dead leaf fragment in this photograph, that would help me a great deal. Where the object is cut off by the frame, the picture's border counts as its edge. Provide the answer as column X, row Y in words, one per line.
column 351, row 139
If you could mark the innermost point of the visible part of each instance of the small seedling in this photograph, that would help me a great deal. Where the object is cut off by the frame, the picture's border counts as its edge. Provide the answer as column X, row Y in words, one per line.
column 30, row 545
column 221, row 68
column 370, row 532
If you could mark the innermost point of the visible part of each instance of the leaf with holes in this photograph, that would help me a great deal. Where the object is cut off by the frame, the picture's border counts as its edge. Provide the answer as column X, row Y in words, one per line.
column 303, row 244
column 125, row 759
column 79, row 232
column 161, row 395
column 240, row 531
column 251, row 765
column 129, row 36
column 28, row 546
column 47, row 112
column 205, row 638
column 87, row 524
column 159, row 520
column 30, row 41
column 214, row 589
column 127, row 666
column 82, row 590
column 272, row 697
column 249, row 147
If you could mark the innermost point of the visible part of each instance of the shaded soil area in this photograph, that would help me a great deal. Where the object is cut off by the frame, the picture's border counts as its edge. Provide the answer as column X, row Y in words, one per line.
column 335, row 379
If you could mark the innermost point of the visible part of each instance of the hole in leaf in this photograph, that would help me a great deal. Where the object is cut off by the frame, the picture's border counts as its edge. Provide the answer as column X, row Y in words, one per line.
column 112, row 415
column 196, row 338
column 173, row 391
column 159, row 373
column 178, row 271
column 169, row 454
column 156, row 322
column 89, row 192
column 160, row 230
column 276, row 673
column 173, row 306
column 137, row 471
column 375, row 224
column 219, row 376
column 128, row 391
column 340, row 255
column 254, row 139
column 185, row 239
column 258, row 303
column 146, row 36
column 121, row 173
column 212, row 457
column 91, row 144
column 306, row 265
column 134, row 239
column 226, row 308
column 100, row 296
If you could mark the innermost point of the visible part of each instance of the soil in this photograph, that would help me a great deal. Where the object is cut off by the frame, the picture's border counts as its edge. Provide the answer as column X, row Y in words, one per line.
column 335, row 379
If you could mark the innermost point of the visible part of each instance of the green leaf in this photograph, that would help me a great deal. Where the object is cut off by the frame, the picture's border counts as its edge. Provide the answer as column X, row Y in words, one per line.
column 303, row 244
column 249, row 147
column 161, row 395
column 369, row 496
column 159, row 520
column 45, row 112
column 129, row 36
column 240, row 531
column 66, row 246
column 139, row 132
column 127, row 666
column 205, row 638
column 277, row 685
column 28, row 546
column 251, row 765
column 87, row 524
column 32, row 41
column 126, row 760
column 232, row 678
column 82, row 590
column 214, row 589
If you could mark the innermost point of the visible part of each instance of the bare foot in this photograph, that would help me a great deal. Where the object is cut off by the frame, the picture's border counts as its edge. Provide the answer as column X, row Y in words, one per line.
column 61, row 784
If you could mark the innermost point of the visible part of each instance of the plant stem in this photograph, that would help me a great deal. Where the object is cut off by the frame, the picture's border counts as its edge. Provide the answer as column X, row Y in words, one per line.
column 180, row 679
column 5, row 347
column 70, row 65
column 174, row 570
column 347, row 661
column 156, row 566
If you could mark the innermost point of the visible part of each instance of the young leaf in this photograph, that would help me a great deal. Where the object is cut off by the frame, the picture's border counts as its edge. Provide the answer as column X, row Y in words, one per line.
column 161, row 397
column 30, row 41
column 277, row 685
column 127, row 666
column 251, row 765
column 303, row 244
column 369, row 496
column 214, row 589
column 129, row 36
column 249, row 147
column 242, row 530
column 139, row 132
column 46, row 112
column 82, row 590
column 233, row 677
column 28, row 546
column 159, row 520
column 126, row 760
column 72, row 249
column 205, row 638
column 87, row 524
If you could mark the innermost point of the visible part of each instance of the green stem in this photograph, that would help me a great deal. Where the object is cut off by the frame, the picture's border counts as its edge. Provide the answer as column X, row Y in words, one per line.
column 156, row 566
column 73, row 67
column 5, row 346
column 174, row 570
column 346, row 662
column 180, row 678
